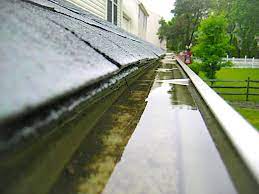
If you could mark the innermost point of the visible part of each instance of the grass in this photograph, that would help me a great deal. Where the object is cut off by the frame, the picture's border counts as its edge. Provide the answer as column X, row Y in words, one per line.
column 228, row 73
column 237, row 74
column 250, row 113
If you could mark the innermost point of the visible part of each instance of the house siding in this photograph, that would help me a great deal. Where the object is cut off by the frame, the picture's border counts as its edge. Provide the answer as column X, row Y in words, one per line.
column 96, row 7
column 130, row 8
column 152, row 29
column 120, row 15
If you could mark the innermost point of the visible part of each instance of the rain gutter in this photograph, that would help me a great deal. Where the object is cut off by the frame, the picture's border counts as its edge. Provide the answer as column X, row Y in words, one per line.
column 241, row 134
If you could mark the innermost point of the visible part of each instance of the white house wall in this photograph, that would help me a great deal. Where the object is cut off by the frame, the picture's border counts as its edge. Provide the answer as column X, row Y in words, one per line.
column 131, row 9
column 98, row 8
column 152, row 29
column 119, row 12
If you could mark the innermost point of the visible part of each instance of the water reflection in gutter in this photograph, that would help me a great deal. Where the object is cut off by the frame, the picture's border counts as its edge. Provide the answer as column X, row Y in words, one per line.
column 170, row 150
column 91, row 166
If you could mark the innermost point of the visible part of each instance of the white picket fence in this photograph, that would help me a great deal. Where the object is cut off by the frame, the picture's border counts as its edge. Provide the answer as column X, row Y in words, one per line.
column 243, row 62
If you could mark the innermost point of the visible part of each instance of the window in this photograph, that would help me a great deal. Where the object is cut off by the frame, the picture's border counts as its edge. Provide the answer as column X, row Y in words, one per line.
column 126, row 23
column 142, row 21
column 112, row 11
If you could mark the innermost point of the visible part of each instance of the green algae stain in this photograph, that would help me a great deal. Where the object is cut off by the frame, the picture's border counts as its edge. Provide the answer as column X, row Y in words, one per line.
column 46, row 160
column 91, row 166
column 38, row 167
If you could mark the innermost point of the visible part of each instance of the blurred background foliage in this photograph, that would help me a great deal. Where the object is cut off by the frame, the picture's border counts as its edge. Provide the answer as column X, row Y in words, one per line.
column 242, row 24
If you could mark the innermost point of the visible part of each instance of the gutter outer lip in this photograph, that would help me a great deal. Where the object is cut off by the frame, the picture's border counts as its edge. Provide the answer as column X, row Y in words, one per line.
column 241, row 134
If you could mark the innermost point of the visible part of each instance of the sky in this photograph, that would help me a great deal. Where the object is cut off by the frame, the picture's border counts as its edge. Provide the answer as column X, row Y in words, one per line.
column 161, row 7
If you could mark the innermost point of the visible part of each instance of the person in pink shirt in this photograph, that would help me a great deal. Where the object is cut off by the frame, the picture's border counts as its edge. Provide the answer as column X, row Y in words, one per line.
column 188, row 56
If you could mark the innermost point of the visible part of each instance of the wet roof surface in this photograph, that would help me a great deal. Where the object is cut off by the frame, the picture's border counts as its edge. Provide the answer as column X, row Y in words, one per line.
column 50, row 48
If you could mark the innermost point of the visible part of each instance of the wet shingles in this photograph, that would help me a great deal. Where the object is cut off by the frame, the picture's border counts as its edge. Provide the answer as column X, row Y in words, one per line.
column 70, row 8
column 119, row 48
column 40, row 60
column 109, row 39
column 133, row 45
column 65, row 7
column 51, row 48
column 97, row 38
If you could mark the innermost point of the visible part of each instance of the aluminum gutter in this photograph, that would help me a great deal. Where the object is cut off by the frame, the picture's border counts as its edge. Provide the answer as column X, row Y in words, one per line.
column 242, row 135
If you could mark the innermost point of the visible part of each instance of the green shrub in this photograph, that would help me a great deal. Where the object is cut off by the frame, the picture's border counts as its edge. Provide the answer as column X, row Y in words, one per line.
column 212, row 44
column 196, row 67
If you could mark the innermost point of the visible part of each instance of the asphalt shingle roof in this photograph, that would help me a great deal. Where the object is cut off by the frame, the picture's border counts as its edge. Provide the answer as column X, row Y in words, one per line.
column 50, row 48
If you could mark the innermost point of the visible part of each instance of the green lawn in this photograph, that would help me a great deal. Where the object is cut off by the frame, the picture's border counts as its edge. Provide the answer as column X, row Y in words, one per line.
column 228, row 73
column 252, row 115
column 237, row 74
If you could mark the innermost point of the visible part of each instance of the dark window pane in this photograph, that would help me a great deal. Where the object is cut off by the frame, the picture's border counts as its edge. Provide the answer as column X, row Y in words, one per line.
column 115, row 1
column 109, row 11
column 115, row 17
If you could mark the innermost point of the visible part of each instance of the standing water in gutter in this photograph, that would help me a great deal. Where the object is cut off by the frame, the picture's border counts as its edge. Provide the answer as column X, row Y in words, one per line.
column 170, row 150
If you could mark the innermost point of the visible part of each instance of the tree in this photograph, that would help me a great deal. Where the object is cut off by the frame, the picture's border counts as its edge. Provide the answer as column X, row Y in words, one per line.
column 212, row 44
column 192, row 11
column 162, row 29
column 174, row 33
column 180, row 30
column 242, row 18
column 242, row 24
column 247, row 25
